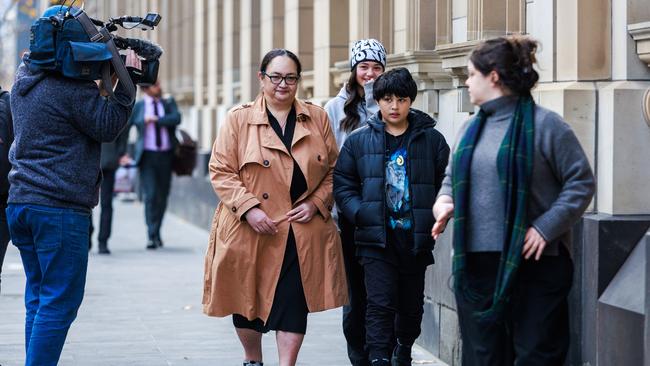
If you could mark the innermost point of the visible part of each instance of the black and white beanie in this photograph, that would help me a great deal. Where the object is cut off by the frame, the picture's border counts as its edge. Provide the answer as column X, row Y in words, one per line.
column 367, row 50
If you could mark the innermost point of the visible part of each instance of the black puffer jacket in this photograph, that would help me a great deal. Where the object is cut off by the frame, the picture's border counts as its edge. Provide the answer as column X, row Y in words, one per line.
column 359, row 179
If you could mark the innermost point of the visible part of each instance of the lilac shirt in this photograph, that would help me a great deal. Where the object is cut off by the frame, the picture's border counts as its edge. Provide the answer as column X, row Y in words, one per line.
column 150, row 128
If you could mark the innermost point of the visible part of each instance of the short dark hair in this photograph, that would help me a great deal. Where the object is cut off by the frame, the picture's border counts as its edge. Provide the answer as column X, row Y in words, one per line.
column 276, row 52
column 397, row 82
column 512, row 57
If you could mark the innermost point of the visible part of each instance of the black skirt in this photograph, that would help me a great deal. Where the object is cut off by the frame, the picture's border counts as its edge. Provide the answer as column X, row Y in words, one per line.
column 289, row 310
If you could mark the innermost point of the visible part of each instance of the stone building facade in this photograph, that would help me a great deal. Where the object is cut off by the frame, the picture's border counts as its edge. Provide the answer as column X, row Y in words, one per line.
column 594, row 71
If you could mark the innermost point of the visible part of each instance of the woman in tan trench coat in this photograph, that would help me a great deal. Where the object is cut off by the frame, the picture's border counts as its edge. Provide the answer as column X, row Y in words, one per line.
column 274, row 253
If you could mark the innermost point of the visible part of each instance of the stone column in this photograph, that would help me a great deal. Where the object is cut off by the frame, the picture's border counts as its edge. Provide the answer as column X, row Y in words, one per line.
column 330, row 44
column 299, row 30
column 485, row 19
column 271, row 25
column 209, row 121
column 230, row 24
column 371, row 19
column 413, row 29
column 584, row 48
column 194, row 121
column 249, row 48
column 176, row 46
column 214, row 34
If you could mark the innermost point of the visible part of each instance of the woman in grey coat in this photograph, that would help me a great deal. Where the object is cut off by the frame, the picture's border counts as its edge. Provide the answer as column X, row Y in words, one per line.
column 349, row 110
column 518, row 181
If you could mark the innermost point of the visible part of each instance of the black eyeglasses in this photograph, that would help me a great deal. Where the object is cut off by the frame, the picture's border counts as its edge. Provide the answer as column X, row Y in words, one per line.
column 277, row 79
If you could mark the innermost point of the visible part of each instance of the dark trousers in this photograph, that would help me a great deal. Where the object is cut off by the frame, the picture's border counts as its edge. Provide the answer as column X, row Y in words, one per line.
column 536, row 328
column 4, row 237
column 395, row 305
column 106, row 203
column 354, row 314
column 155, row 179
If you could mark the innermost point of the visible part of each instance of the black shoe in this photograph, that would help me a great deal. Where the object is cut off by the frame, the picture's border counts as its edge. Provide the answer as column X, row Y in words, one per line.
column 103, row 248
column 152, row 244
column 401, row 356
column 159, row 243
column 253, row 363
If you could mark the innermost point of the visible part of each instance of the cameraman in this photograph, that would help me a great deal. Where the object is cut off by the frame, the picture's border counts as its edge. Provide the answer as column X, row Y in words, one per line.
column 59, row 125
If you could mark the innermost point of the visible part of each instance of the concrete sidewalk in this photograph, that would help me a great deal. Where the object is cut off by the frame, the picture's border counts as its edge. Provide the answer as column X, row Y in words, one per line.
column 144, row 307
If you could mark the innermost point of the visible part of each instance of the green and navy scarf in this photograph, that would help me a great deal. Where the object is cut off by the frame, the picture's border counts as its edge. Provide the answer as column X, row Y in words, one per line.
column 514, row 165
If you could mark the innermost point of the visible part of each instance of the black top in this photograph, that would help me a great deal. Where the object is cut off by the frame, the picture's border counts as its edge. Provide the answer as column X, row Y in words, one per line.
column 298, row 182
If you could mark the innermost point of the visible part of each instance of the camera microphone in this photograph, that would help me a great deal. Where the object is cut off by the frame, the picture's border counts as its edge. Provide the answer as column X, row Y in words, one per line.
column 145, row 49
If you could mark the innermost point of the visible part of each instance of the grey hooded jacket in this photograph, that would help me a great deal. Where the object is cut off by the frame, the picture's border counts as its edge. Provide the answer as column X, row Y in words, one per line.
column 59, row 125
column 367, row 108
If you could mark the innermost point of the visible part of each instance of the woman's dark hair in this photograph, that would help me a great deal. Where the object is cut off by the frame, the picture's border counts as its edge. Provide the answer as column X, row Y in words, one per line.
column 350, row 122
column 397, row 82
column 512, row 58
column 276, row 52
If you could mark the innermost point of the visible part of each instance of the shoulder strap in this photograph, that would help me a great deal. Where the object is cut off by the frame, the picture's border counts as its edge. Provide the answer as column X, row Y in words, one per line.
column 105, row 37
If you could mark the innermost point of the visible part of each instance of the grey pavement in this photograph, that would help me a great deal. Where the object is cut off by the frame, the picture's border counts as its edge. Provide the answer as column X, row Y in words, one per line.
column 143, row 307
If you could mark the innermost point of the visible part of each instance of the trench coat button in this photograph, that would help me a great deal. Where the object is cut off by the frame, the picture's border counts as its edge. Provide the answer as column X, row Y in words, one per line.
column 319, row 158
column 266, row 163
column 234, row 209
column 265, row 196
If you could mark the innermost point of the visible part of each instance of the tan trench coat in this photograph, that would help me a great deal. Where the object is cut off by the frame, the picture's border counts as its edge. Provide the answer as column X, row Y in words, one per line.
column 250, row 166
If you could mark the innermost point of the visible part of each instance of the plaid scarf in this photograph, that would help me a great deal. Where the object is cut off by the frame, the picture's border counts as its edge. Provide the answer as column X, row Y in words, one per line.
column 514, row 165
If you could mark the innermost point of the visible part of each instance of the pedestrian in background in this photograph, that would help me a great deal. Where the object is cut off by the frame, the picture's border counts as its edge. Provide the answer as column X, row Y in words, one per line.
column 348, row 111
column 274, row 254
column 516, row 185
column 385, row 182
column 156, row 119
column 113, row 154
column 6, row 139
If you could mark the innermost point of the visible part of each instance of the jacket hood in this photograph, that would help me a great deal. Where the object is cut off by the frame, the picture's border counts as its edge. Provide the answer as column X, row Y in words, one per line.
column 417, row 118
column 343, row 93
column 26, row 79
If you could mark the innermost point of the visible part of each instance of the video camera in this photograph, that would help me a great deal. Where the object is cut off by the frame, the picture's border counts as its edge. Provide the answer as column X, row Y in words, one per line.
column 67, row 41
column 150, row 52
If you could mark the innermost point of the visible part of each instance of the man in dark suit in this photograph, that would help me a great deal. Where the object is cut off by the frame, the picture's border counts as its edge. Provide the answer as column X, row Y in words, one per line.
column 156, row 119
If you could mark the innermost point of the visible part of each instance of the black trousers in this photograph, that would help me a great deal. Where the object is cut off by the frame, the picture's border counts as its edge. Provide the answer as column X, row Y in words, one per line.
column 395, row 305
column 106, row 204
column 155, row 178
column 354, row 314
column 536, row 328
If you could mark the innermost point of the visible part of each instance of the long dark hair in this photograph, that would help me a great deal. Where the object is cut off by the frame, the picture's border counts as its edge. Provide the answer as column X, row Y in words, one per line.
column 351, row 120
column 512, row 58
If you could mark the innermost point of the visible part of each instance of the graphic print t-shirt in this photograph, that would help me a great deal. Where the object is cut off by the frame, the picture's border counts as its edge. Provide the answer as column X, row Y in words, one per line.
column 398, row 199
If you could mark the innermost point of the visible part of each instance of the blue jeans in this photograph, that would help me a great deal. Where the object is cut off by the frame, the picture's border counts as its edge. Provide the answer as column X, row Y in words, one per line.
column 53, row 244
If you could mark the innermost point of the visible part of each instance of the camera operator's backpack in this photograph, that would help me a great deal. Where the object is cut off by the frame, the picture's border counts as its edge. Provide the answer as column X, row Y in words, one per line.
column 65, row 40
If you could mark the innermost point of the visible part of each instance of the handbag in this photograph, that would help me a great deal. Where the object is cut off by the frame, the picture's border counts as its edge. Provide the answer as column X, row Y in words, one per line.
column 184, row 160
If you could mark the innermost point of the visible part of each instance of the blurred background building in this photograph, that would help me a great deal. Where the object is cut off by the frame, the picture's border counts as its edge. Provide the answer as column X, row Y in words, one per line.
column 594, row 71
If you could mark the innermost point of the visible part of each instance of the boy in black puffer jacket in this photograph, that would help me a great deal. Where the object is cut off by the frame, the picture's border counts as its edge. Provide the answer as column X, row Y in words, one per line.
column 385, row 182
